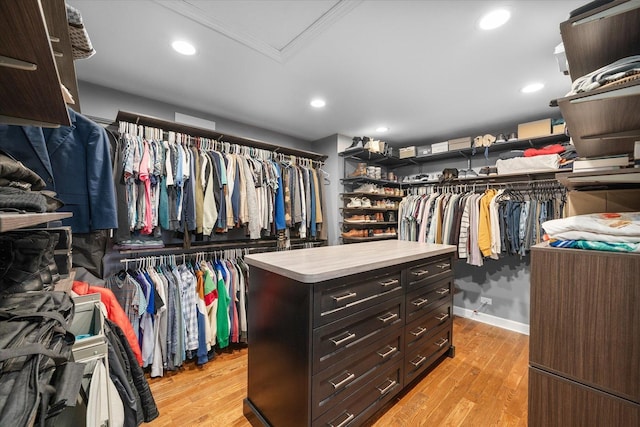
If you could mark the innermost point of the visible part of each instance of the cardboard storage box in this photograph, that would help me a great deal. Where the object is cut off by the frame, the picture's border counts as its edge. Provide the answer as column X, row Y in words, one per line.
column 586, row 202
column 440, row 147
column 460, row 143
column 423, row 150
column 535, row 129
column 406, row 152
column 559, row 129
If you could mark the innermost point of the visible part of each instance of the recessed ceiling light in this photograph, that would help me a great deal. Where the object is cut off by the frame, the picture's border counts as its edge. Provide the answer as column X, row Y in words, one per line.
column 494, row 19
column 183, row 47
column 318, row 103
column 533, row 87
column 382, row 129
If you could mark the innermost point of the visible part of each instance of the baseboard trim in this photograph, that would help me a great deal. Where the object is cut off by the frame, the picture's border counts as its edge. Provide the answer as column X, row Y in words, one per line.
column 492, row 320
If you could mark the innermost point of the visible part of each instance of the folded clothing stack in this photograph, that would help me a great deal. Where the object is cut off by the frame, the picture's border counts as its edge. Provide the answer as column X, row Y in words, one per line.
column 618, row 232
column 21, row 189
column 625, row 68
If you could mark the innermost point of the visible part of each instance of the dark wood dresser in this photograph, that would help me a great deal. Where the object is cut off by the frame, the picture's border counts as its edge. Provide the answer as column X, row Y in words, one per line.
column 584, row 360
column 337, row 332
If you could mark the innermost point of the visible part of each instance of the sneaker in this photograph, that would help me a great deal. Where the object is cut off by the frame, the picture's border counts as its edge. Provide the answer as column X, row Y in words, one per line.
column 392, row 217
column 513, row 137
column 355, row 144
column 355, row 202
column 364, row 188
column 356, row 218
column 501, row 138
column 365, row 203
column 493, row 171
column 484, row 170
column 471, row 173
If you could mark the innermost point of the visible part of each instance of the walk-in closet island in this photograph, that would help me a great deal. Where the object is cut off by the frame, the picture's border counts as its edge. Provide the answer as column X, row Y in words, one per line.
column 337, row 332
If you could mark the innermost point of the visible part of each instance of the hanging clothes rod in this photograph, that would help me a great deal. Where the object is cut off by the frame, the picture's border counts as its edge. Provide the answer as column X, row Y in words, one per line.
column 144, row 120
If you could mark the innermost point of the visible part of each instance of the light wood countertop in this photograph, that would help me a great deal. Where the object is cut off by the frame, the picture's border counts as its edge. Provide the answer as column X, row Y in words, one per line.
column 329, row 262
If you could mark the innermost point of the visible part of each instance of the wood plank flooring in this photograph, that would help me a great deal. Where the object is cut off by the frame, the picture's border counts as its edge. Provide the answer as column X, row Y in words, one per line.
column 484, row 385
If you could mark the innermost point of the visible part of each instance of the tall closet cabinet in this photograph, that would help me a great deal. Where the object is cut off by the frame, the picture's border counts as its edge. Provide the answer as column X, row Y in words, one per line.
column 584, row 360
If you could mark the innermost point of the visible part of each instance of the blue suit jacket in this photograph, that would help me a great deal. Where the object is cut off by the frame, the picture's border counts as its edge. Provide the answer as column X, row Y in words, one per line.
column 75, row 162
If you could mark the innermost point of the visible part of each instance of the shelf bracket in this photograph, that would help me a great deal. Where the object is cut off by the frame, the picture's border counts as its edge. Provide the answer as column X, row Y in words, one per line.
column 17, row 64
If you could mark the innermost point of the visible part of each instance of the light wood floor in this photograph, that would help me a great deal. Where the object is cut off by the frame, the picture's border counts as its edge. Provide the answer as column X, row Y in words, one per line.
column 484, row 385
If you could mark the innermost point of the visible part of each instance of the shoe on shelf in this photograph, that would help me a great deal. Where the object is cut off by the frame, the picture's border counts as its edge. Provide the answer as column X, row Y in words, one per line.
column 501, row 138
column 392, row 217
column 493, row 171
column 366, row 188
column 471, row 173
column 484, row 170
column 513, row 137
column 365, row 203
column 353, row 233
column 356, row 218
column 355, row 144
column 355, row 202
column 361, row 170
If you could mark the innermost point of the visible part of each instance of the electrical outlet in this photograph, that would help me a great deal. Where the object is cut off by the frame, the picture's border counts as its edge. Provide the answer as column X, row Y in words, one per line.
column 485, row 300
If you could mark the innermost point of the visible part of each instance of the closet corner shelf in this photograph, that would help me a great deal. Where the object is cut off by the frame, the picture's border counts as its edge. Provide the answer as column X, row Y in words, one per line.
column 145, row 120
column 617, row 177
column 13, row 221
column 367, row 239
column 372, row 157
column 370, row 195
column 364, row 180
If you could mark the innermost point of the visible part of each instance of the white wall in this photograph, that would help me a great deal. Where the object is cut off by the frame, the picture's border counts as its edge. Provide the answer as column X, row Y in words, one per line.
column 102, row 102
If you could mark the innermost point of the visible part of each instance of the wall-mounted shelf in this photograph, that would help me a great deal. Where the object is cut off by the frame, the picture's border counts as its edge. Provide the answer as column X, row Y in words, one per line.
column 380, row 159
column 613, row 178
column 13, row 221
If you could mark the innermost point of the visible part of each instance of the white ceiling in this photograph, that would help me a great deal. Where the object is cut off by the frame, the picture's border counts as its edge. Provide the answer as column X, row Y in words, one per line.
column 422, row 68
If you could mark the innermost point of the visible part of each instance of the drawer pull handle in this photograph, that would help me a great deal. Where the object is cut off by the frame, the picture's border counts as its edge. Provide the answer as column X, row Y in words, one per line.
column 392, row 384
column 349, row 336
column 388, row 353
column 344, row 296
column 419, row 331
column 420, row 273
column 442, row 342
column 442, row 316
column 419, row 361
column 420, row 302
column 349, row 377
column 442, row 291
column 389, row 317
column 389, row 283
column 344, row 422
column 444, row 265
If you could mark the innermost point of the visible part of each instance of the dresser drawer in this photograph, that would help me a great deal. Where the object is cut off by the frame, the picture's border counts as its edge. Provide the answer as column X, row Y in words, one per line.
column 422, row 326
column 341, row 339
column 336, row 302
column 425, row 299
column 430, row 271
column 422, row 353
column 339, row 381
column 365, row 401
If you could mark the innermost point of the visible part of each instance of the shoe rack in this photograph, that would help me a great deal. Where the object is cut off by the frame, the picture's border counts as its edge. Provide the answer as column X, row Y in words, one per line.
column 371, row 196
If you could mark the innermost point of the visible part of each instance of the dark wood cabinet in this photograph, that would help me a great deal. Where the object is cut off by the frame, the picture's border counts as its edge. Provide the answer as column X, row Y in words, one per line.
column 603, row 121
column 584, row 336
column 334, row 352
column 35, row 58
